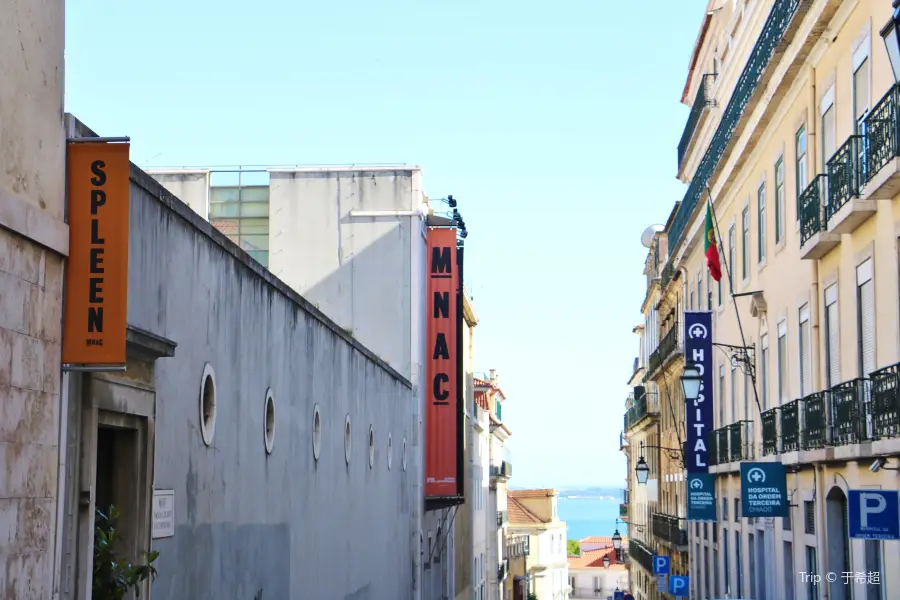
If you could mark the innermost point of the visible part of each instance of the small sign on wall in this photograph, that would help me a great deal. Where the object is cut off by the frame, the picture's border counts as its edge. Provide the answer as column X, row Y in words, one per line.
column 163, row 513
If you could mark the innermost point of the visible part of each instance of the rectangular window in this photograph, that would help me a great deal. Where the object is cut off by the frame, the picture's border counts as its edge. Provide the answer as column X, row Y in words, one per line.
column 745, row 243
column 739, row 563
column 802, row 173
column 764, row 371
column 700, row 289
column 761, row 222
column 746, row 379
column 812, row 587
column 805, row 351
column 832, row 338
column 726, row 560
column 733, row 383
column 242, row 214
column 779, row 200
column 809, row 514
column 721, row 395
column 787, row 522
column 732, row 251
column 865, row 299
column 719, row 285
column 782, row 363
column 737, row 510
column 829, row 138
column 861, row 103
column 709, row 290
column 751, row 554
column 789, row 575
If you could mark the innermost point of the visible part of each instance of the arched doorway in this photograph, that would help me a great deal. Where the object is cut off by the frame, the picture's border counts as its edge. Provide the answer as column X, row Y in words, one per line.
column 838, row 541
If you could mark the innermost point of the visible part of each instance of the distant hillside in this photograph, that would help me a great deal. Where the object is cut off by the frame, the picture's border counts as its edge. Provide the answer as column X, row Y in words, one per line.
column 612, row 493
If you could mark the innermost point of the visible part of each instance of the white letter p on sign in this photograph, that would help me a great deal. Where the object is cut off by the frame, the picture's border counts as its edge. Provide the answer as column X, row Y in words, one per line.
column 866, row 506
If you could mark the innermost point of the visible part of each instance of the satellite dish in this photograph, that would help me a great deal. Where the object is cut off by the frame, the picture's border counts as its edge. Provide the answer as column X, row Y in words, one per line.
column 647, row 236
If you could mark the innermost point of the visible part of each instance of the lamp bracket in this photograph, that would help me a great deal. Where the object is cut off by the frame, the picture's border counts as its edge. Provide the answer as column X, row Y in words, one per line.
column 743, row 356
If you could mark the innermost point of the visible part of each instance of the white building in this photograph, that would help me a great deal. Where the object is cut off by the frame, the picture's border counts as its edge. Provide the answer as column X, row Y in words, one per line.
column 591, row 577
column 352, row 242
column 534, row 513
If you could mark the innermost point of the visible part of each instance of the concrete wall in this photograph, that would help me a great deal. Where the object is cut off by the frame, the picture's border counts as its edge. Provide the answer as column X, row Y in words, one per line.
column 33, row 241
column 246, row 521
column 191, row 187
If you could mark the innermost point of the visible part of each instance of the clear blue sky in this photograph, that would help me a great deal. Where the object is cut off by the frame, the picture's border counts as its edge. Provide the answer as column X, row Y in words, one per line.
column 554, row 124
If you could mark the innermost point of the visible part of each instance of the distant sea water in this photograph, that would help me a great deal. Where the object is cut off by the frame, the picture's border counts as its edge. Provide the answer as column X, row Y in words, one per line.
column 588, row 516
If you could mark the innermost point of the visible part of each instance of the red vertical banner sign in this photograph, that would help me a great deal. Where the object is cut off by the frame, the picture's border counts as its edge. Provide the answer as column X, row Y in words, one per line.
column 442, row 348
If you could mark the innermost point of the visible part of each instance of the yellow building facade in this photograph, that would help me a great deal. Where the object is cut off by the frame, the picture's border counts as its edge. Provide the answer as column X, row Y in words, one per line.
column 794, row 136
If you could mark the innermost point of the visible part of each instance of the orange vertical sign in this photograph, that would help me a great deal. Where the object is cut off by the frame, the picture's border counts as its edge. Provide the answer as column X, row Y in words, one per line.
column 443, row 349
column 97, row 269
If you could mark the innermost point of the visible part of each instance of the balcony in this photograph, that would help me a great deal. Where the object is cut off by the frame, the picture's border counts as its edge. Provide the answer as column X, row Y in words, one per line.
column 722, row 455
column 668, row 347
column 770, row 431
column 702, row 101
column 815, row 241
column 845, row 210
column 740, row 441
column 667, row 528
column 886, row 402
column 640, row 554
column 712, row 449
column 668, row 273
column 502, row 517
column 772, row 40
column 882, row 153
column 815, row 421
column 790, row 426
column 851, row 409
column 642, row 404
column 502, row 471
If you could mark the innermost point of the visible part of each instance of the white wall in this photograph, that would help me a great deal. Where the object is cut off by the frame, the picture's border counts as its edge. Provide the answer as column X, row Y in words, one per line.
column 606, row 579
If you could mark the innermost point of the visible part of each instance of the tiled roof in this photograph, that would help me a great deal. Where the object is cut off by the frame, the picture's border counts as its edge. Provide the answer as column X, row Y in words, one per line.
column 596, row 539
column 532, row 493
column 593, row 559
column 518, row 514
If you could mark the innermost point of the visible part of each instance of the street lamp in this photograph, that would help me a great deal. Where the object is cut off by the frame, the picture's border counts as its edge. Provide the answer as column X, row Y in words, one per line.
column 891, row 35
column 690, row 380
column 617, row 540
column 606, row 561
column 642, row 470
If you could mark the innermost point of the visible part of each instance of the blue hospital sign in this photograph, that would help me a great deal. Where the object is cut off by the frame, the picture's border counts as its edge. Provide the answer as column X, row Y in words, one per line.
column 701, row 497
column 763, row 489
column 874, row 514
column 698, row 349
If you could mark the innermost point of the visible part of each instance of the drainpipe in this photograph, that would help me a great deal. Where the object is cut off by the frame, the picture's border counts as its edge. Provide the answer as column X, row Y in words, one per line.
column 815, row 332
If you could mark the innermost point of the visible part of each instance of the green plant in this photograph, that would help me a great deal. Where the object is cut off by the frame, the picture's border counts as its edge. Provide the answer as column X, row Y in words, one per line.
column 573, row 547
column 113, row 577
column 532, row 596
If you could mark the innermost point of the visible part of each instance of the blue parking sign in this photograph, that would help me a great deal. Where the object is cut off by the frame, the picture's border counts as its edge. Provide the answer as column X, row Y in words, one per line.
column 874, row 514
column 619, row 596
column 660, row 565
column 678, row 585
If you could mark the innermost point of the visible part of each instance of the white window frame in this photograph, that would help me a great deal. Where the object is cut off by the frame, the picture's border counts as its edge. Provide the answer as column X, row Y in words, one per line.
column 831, row 297
column 784, row 391
column 764, row 369
column 865, row 272
column 804, row 319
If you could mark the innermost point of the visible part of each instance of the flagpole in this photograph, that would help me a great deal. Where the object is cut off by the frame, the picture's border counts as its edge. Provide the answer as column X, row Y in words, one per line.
column 737, row 314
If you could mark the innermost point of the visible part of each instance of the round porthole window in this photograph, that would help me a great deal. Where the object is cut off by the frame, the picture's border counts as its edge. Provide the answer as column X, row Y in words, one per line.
column 348, row 440
column 208, row 404
column 371, row 447
column 403, row 457
column 317, row 433
column 390, row 451
column 270, row 421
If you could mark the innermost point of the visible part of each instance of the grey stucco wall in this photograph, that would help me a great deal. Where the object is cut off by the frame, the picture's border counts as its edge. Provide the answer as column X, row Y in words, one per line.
column 283, row 524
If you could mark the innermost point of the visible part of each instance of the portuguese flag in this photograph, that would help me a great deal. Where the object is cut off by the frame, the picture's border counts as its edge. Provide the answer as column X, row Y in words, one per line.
column 710, row 248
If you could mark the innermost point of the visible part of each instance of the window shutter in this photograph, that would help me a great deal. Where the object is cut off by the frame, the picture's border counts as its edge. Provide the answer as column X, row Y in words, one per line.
column 833, row 338
column 866, row 299
column 805, row 359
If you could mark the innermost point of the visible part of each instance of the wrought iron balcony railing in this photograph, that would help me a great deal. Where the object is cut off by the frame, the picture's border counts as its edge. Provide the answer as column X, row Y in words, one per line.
column 886, row 401
column 815, row 420
column 641, row 553
column 643, row 403
column 668, row 345
column 770, row 431
column 740, row 441
column 844, row 175
column 851, row 412
column 771, row 36
column 790, row 426
column 812, row 208
column 703, row 100
column 882, row 128
column 712, row 448
column 668, row 273
column 724, row 456
column 668, row 529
